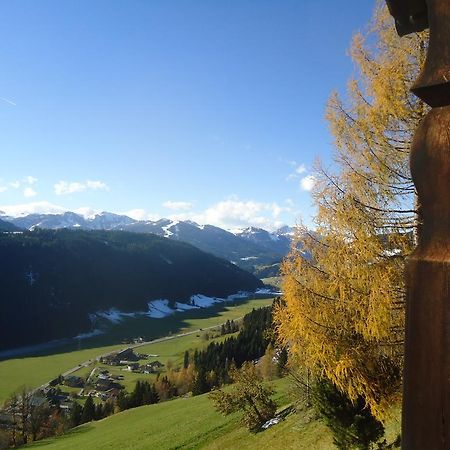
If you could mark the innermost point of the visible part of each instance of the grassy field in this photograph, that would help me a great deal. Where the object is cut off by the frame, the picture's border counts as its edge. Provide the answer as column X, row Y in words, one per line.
column 192, row 423
column 34, row 371
column 272, row 281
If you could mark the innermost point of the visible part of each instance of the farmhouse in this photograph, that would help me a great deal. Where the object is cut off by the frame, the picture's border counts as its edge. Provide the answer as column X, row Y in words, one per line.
column 152, row 367
column 74, row 381
column 119, row 358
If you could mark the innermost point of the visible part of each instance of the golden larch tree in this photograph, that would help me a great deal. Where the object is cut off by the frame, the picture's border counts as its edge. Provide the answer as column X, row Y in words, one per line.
column 343, row 287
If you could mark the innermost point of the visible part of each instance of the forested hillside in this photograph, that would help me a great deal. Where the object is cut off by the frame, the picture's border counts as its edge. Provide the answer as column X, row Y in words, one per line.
column 52, row 279
column 8, row 226
column 252, row 249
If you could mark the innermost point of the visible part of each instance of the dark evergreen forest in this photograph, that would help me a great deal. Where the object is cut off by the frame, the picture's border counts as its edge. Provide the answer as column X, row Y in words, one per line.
column 250, row 344
column 50, row 280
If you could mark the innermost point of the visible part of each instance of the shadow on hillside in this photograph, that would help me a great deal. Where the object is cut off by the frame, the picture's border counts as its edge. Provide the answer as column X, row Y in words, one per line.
column 144, row 327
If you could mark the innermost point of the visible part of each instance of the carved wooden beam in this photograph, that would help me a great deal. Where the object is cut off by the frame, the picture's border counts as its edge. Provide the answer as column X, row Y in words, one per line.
column 426, row 391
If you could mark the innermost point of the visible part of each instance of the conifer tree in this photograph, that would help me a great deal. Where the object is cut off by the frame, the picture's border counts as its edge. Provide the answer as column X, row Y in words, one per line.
column 88, row 413
column 75, row 414
column 343, row 314
column 200, row 385
column 99, row 413
column 352, row 425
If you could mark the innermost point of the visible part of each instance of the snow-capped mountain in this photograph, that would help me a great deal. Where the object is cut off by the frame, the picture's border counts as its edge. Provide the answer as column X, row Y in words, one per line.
column 101, row 221
column 278, row 241
column 252, row 248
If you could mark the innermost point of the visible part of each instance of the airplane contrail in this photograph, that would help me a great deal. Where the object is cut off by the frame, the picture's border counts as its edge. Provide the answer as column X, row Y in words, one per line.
column 8, row 101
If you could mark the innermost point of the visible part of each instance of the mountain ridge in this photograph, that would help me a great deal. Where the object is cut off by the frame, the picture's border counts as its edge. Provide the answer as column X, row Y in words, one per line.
column 253, row 249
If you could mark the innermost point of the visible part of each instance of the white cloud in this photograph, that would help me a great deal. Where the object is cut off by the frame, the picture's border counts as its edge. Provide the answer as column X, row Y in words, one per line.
column 66, row 187
column 15, row 184
column 97, row 185
column 3, row 189
column 235, row 213
column 141, row 214
column 138, row 214
column 178, row 206
column 307, row 183
column 29, row 192
column 231, row 213
column 43, row 207
column 299, row 169
column 30, row 180
column 86, row 211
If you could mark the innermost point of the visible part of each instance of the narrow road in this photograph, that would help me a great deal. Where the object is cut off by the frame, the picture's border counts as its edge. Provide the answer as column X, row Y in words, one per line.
column 140, row 344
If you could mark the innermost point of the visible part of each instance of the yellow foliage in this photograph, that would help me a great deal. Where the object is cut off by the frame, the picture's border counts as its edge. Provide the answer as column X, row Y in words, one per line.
column 343, row 284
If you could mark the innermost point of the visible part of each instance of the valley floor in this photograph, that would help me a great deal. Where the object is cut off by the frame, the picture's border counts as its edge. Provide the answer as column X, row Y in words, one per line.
column 36, row 370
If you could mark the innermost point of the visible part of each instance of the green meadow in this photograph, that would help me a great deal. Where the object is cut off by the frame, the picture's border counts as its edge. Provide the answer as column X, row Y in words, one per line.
column 34, row 371
column 190, row 423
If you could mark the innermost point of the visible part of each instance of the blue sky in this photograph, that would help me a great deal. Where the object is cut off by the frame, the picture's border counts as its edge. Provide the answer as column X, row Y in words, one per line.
column 209, row 110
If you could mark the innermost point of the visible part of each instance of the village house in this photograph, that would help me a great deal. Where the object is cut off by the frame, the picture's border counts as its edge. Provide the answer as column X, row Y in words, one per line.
column 132, row 366
column 106, row 385
column 74, row 381
column 120, row 358
column 152, row 367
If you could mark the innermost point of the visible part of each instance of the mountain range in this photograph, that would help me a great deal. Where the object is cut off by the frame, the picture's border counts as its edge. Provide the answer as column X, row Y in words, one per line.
column 253, row 249
column 51, row 281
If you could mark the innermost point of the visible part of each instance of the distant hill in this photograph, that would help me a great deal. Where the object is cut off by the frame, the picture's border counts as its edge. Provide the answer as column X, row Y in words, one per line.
column 8, row 226
column 51, row 280
column 246, row 253
column 278, row 241
column 252, row 249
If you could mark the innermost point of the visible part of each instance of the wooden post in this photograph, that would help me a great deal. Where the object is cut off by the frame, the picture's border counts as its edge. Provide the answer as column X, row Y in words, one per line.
column 426, row 391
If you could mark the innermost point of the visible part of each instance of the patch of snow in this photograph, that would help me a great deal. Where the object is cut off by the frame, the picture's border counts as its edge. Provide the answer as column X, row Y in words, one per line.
column 113, row 315
column 271, row 422
column 203, row 301
column 88, row 335
column 267, row 291
column 240, row 294
column 274, row 237
column 157, row 309
column 195, row 224
column 167, row 232
column 184, row 307
column 248, row 258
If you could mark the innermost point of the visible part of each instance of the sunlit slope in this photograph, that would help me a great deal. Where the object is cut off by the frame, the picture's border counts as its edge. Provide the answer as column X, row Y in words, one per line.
column 190, row 423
